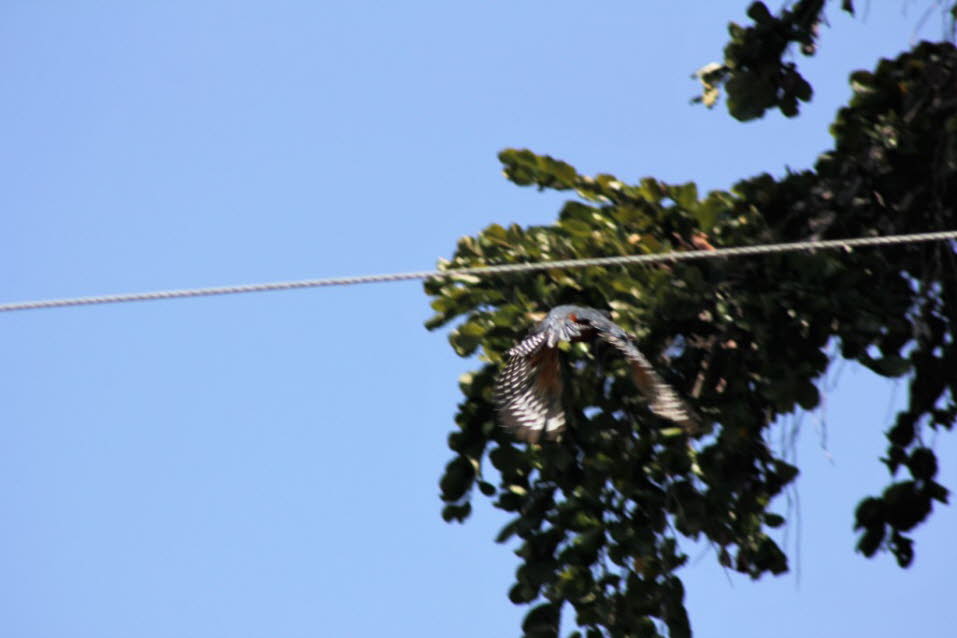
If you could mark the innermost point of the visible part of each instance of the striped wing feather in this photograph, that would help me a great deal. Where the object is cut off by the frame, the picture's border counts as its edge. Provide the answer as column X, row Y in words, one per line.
column 528, row 393
column 662, row 399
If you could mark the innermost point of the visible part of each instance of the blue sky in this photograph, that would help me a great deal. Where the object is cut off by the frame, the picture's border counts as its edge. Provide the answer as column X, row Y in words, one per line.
column 267, row 465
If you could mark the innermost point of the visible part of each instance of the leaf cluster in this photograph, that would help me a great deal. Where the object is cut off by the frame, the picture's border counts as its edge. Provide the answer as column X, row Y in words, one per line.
column 759, row 72
column 598, row 516
column 755, row 73
column 894, row 170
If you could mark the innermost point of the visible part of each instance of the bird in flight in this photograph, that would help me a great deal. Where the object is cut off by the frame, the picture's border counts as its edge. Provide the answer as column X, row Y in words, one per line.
column 528, row 392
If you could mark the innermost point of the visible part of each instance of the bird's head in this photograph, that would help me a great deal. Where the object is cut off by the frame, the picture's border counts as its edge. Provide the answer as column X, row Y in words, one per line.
column 569, row 323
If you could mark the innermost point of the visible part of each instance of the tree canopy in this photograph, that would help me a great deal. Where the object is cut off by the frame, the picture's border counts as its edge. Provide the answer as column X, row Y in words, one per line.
column 600, row 513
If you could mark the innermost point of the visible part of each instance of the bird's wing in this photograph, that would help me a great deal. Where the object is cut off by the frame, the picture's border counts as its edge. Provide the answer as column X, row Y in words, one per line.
column 663, row 400
column 528, row 393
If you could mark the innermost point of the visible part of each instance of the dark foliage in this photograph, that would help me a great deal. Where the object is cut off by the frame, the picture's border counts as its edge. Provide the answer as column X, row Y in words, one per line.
column 599, row 514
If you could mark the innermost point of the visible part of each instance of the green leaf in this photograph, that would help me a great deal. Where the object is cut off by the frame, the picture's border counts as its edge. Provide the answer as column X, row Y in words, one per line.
column 759, row 13
column 870, row 513
column 871, row 540
column 472, row 329
column 922, row 464
column 903, row 549
column 542, row 620
column 686, row 195
column 808, row 396
column 507, row 458
column 905, row 505
column 937, row 492
column 457, row 479
column 508, row 530
column 576, row 227
column 785, row 471
column 521, row 593
column 890, row 366
column 456, row 513
column 486, row 488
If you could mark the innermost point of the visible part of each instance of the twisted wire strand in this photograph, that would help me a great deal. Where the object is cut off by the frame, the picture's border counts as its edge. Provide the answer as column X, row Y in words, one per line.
column 620, row 260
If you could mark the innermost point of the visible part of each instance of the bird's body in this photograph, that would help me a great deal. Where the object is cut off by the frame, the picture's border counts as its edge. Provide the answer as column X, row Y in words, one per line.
column 528, row 393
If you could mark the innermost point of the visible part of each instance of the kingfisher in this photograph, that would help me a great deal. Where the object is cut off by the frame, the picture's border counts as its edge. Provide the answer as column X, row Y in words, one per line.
column 528, row 392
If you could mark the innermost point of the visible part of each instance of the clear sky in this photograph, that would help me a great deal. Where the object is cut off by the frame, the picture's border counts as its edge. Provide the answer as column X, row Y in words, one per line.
column 266, row 465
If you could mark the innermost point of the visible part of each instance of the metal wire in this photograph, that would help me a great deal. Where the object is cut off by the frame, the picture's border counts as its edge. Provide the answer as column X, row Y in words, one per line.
column 719, row 253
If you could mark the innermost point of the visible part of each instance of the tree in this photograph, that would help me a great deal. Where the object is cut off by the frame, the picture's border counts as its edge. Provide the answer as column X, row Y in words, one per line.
column 600, row 513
